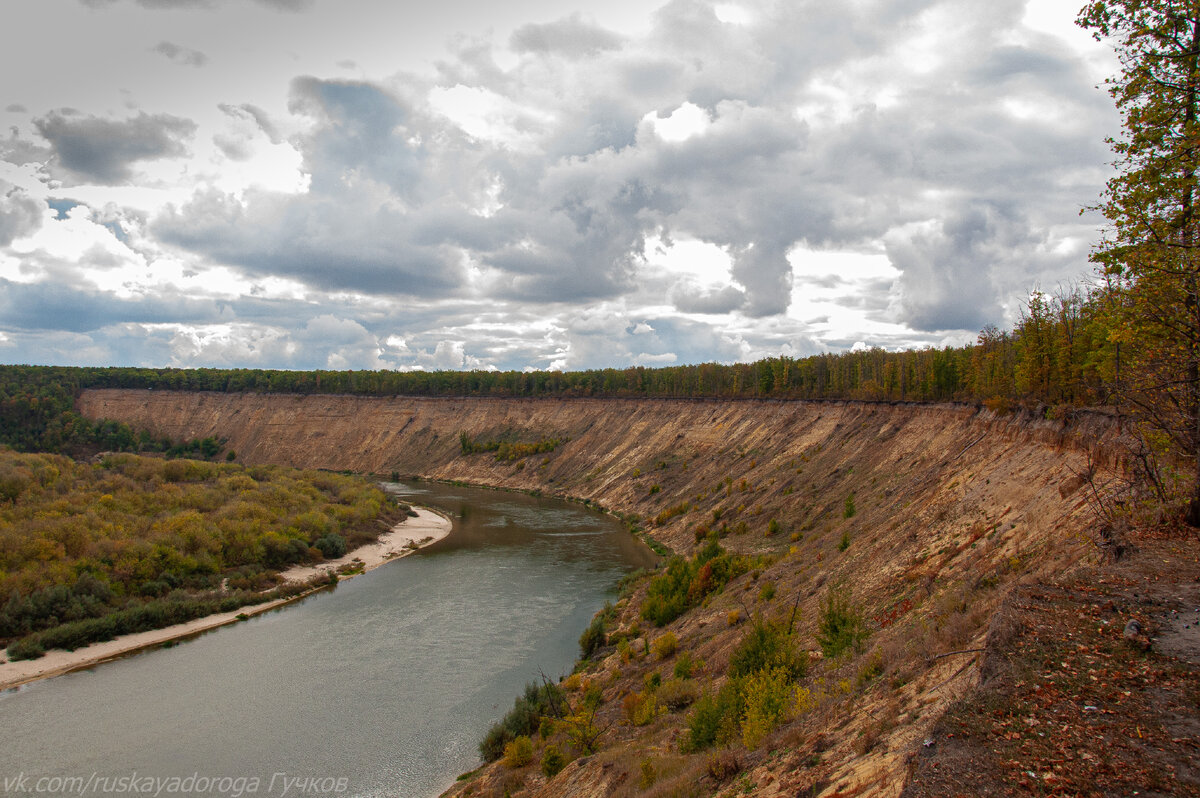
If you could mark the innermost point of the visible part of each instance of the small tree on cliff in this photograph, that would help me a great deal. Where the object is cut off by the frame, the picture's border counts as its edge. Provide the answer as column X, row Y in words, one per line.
column 1150, row 247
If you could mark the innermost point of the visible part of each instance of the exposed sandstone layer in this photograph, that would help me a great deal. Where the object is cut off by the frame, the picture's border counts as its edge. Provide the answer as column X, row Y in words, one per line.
column 926, row 513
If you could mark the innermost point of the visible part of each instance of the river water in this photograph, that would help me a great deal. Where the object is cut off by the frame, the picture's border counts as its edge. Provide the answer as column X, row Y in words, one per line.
column 381, row 687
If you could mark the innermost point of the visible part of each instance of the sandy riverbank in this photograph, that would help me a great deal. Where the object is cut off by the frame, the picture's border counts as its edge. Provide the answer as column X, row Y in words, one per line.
column 404, row 538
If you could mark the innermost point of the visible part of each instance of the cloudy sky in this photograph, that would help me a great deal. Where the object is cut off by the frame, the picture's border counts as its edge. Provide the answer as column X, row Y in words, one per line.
column 536, row 184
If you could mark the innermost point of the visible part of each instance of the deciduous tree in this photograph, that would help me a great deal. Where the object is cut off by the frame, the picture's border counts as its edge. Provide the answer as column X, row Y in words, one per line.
column 1150, row 247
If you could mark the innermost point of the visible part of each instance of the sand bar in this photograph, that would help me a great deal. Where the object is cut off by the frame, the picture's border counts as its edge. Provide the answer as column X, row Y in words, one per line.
column 403, row 538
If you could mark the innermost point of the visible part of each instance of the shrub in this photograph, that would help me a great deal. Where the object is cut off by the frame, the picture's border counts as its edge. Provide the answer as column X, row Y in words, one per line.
column 649, row 774
column 844, row 543
column 592, row 638
column 671, row 512
column 767, row 695
column 871, row 669
column 767, row 646
column 714, row 718
column 723, row 765
column 805, row 701
column 772, row 527
column 664, row 645
column 686, row 583
column 703, row 723
column 645, row 708
column 524, row 719
column 848, row 509
column 675, row 693
column 582, row 731
column 593, row 696
column 29, row 648
column 840, row 626
column 518, row 753
column 491, row 747
column 685, row 665
column 629, row 707
column 553, row 761
column 332, row 545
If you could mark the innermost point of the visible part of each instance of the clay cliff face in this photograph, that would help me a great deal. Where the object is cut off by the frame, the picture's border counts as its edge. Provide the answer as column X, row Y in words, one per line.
column 925, row 514
column 966, row 462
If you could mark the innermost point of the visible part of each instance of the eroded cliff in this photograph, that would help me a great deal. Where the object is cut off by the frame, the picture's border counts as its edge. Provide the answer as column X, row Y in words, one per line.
column 925, row 515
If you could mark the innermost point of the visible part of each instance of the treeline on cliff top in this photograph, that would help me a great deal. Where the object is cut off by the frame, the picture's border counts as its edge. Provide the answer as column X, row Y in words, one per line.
column 1059, row 353
column 37, row 414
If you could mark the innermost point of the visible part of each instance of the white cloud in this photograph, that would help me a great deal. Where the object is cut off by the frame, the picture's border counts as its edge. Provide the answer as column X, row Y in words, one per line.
column 484, row 114
column 681, row 124
column 733, row 14
column 584, row 186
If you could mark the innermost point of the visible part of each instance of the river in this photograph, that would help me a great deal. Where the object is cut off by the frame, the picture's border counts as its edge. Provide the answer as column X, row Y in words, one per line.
column 381, row 687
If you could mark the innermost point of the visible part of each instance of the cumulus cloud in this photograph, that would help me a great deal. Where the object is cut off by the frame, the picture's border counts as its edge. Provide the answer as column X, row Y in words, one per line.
column 801, row 128
column 691, row 298
column 497, row 210
column 93, row 149
column 947, row 267
column 328, row 244
column 20, row 214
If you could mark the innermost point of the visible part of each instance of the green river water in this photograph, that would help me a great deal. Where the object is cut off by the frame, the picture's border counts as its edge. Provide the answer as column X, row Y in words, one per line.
column 381, row 687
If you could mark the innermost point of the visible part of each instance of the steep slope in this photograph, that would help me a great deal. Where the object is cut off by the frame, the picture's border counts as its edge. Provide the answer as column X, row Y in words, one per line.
column 964, row 460
column 923, row 515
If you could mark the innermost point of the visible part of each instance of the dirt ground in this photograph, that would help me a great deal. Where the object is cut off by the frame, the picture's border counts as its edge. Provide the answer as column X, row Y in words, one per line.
column 1091, row 687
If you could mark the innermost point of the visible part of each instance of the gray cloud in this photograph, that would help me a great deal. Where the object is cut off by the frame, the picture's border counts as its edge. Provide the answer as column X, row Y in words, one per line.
column 18, row 150
column 759, row 180
column 20, row 214
column 255, row 114
column 689, row 298
column 59, row 306
column 517, row 239
column 360, row 129
column 328, row 244
column 185, row 56
column 571, row 37
column 236, row 148
column 948, row 277
column 103, row 150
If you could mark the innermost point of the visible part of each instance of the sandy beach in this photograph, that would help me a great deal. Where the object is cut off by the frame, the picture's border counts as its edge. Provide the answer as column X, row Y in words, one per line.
column 403, row 538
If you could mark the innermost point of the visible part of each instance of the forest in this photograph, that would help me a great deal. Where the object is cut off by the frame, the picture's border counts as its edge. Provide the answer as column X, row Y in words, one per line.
column 91, row 550
column 1059, row 353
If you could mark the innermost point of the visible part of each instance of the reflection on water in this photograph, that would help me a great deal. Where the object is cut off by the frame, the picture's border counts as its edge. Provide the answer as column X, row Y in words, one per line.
column 386, row 683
